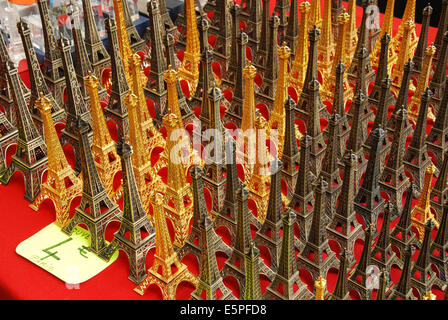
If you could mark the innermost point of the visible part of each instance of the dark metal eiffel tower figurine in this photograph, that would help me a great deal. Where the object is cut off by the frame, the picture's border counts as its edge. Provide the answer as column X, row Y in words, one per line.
column 136, row 42
column 292, row 29
column 31, row 153
column 317, row 257
column 368, row 201
column 302, row 202
column 98, row 55
column 290, row 156
column 6, row 100
column 116, row 110
column 37, row 81
column 419, row 54
column 252, row 290
column 211, row 285
column 344, row 228
column 439, row 247
column 306, row 105
column 194, row 243
column 52, row 66
column 381, row 74
column 416, row 158
column 330, row 167
column 382, row 254
column 381, row 292
column 155, row 88
column 441, row 27
column 235, row 49
column 235, row 266
column 269, row 235
column 281, row 10
column 75, row 106
column 254, row 25
column 393, row 180
column 96, row 209
column 287, row 284
column 340, row 291
column 402, row 290
column 437, row 83
column 134, row 223
column 222, row 28
column 437, row 140
column 260, row 54
column 8, row 137
column 357, row 280
column 439, row 193
column 270, row 74
column 422, row 275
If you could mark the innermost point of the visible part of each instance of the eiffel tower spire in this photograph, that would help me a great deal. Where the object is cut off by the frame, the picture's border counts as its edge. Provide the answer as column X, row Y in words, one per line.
column 381, row 292
column 31, row 153
column 62, row 185
column 235, row 12
column 292, row 28
column 437, row 82
column 165, row 257
column 124, row 22
column 315, row 15
column 96, row 209
column 134, row 220
column 261, row 56
column 254, row 24
column 386, row 29
column 357, row 280
column 281, row 10
column 416, row 159
column 441, row 27
column 223, row 31
column 440, row 245
column 37, row 81
column 252, row 290
column 116, row 109
column 408, row 15
column 52, row 66
column 340, row 291
column 422, row 40
column 351, row 35
column 402, row 290
column 439, row 193
column 326, row 46
column 287, row 275
column 99, row 57
column 8, row 136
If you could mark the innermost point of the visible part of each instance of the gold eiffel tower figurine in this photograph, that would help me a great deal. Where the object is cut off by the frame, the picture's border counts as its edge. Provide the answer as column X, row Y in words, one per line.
column 422, row 83
column 352, row 34
column 123, row 39
column 408, row 15
column 189, row 69
column 277, row 117
column 178, row 196
column 103, row 147
column 315, row 15
column 300, row 63
column 165, row 257
column 386, row 27
column 148, row 181
column 325, row 47
column 62, row 185
column 421, row 213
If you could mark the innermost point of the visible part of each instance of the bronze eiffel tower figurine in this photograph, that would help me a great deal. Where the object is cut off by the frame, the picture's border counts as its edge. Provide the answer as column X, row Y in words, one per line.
column 437, row 83
column 419, row 53
column 252, row 290
column 222, row 29
column 254, row 24
column 260, row 54
column 8, row 137
column 439, row 193
column 402, row 290
column 340, row 291
column 440, row 245
column 292, row 28
column 441, row 28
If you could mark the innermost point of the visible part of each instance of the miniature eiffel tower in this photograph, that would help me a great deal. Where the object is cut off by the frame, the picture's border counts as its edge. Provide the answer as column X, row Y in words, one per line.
column 8, row 137
column 31, row 153
column 223, row 31
column 52, row 66
column 315, row 15
column 368, row 201
column 134, row 220
column 292, row 28
column 235, row 266
column 254, row 24
column 422, row 275
column 37, row 81
column 357, row 280
column 416, row 159
column 419, row 54
column 290, row 154
column 252, row 290
column 437, row 83
column 99, row 56
column 351, row 37
column 96, row 209
column 381, row 292
column 382, row 254
column 235, row 49
column 75, row 106
column 189, row 70
column 123, row 36
column 62, row 185
column 441, row 28
column 302, row 202
column 194, row 242
column 211, row 285
column 408, row 15
column 344, row 228
column 404, row 54
column 316, row 256
column 103, row 147
column 421, row 213
column 165, row 258
column 393, row 180
column 281, row 10
column 123, row 17
column 402, row 290
column 277, row 116
column 299, row 65
column 439, row 193
column 287, row 284
column 386, row 29
column 340, row 291
column 206, row 77
column 261, row 56
column 439, row 246
column 326, row 46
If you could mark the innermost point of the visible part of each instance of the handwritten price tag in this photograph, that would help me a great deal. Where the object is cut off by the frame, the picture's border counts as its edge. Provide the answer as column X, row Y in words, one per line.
column 66, row 257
